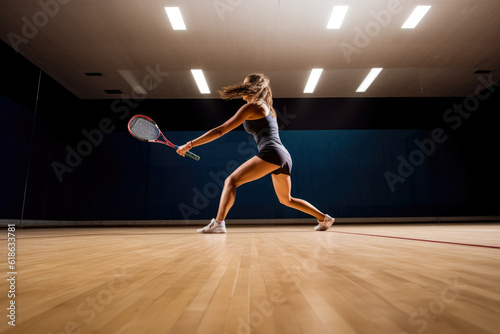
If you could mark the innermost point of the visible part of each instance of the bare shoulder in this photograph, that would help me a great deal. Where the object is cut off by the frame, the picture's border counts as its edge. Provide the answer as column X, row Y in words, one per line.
column 254, row 110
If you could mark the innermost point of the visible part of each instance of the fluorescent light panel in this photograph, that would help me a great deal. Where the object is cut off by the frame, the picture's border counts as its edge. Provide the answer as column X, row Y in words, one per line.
column 338, row 14
column 200, row 81
column 415, row 17
column 313, row 80
column 368, row 80
column 175, row 17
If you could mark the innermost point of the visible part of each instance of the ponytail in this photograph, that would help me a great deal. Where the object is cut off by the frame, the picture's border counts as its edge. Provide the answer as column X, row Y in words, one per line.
column 257, row 86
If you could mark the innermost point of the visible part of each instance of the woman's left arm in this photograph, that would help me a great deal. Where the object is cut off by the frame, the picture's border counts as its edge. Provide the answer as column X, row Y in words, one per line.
column 239, row 117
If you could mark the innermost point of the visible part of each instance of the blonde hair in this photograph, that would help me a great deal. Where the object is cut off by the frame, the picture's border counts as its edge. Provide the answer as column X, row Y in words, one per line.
column 257, row 86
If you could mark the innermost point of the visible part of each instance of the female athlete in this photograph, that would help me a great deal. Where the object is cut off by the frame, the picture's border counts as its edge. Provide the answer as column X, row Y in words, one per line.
column 259, row 119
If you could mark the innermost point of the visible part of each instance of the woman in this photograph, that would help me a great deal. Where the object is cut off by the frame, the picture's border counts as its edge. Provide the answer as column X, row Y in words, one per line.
column 259, row 119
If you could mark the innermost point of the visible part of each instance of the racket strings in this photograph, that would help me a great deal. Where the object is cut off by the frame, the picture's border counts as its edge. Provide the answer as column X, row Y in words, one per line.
column 144, row 129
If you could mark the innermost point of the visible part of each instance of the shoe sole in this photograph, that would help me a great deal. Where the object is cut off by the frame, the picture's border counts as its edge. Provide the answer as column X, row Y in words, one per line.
column 324, row 227
column 203, row 232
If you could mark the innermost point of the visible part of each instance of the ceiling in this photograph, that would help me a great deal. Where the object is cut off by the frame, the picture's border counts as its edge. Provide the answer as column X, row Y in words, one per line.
column 126, row 40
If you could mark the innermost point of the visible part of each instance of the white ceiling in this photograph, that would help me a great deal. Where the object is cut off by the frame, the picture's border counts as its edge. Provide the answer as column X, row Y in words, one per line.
column 283, row 38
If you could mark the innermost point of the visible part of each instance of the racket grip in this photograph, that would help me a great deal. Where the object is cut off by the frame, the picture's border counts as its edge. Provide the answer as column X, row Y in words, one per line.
column 190, row 154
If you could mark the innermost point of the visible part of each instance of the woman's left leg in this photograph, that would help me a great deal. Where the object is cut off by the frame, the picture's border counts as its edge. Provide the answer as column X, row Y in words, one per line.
column 283, row 186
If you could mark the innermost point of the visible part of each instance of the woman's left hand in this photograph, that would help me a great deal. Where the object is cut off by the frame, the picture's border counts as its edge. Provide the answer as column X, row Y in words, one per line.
column 181, row 150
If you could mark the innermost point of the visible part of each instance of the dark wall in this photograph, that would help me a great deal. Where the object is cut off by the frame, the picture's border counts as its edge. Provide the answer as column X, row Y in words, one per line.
column 353, row 157
column 15, row 144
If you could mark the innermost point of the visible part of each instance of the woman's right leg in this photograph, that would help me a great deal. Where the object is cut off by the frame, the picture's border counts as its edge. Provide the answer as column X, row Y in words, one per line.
column 283, row 186
column 251, row 170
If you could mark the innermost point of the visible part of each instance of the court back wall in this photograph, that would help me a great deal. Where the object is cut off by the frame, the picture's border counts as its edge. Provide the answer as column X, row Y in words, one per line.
column 352, row 157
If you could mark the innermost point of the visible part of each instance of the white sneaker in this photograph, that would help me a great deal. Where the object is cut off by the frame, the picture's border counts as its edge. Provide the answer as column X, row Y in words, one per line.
column 214, row 227
column 325, row 224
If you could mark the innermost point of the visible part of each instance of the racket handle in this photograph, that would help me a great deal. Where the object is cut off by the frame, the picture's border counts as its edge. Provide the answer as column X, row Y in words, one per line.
column 190, row 154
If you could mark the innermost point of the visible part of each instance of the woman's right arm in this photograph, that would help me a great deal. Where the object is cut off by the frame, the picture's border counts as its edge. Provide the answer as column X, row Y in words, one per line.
column 245, row 112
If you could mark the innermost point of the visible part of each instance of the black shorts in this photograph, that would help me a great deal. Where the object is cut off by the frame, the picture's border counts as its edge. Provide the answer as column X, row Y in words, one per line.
column 277, row 155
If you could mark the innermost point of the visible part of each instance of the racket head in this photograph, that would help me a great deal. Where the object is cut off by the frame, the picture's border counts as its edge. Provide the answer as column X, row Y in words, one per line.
column 143, row 128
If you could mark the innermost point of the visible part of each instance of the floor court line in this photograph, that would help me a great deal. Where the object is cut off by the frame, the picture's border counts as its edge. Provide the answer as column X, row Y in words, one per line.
column 414, row 239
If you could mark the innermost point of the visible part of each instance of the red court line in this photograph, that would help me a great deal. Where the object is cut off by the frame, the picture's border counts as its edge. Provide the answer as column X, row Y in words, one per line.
column 425, row 240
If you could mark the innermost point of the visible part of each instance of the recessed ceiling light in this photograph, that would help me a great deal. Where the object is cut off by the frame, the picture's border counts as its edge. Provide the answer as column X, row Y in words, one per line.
column 200, row 81
column 415, row 17
column 482, row 72
column 313, row 80
column 368, row 80
column 113, row 91
column 175, row 17
column 338, row 14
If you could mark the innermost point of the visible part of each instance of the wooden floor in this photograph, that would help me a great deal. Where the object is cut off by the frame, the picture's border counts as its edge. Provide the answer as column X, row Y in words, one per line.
column 284, row 279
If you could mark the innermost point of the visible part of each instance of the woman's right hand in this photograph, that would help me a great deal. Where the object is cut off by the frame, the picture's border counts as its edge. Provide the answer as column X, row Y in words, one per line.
column 181, row 150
